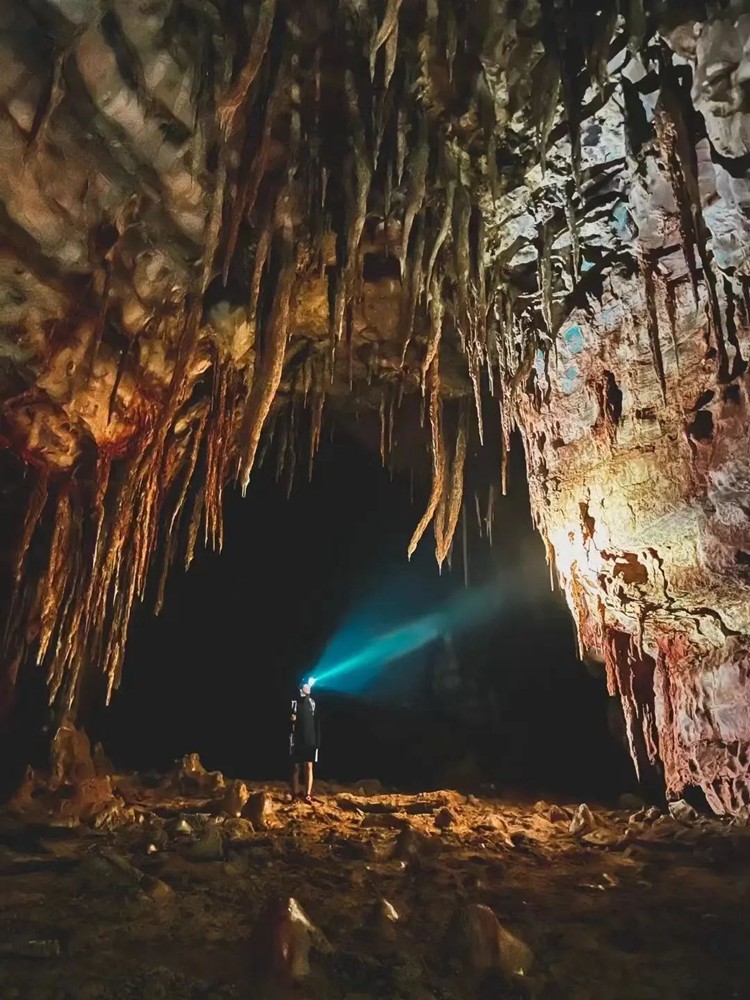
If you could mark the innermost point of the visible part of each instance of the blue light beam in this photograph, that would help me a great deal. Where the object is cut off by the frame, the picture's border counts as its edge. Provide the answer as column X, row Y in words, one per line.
column 355, row 657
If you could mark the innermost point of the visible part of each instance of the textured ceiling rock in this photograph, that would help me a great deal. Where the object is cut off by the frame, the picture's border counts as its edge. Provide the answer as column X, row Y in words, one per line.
column 218, row 221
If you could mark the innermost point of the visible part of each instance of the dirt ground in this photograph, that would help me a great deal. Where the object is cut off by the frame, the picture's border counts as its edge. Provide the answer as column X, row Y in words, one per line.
column 166, row 894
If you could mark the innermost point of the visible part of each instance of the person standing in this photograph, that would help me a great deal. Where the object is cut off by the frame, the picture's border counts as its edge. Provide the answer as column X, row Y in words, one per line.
column 304, row 742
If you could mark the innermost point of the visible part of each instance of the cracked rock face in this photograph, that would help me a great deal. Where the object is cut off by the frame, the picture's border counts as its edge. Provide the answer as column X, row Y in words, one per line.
column 221, row 222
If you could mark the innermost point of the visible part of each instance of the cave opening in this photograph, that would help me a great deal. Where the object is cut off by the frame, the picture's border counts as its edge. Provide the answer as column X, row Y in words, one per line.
column 503, row 703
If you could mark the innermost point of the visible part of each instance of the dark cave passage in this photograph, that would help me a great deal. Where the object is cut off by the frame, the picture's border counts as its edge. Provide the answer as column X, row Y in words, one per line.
column 214, row 673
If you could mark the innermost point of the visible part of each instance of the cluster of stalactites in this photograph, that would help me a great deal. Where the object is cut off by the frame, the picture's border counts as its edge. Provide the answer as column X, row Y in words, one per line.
column 284, row 176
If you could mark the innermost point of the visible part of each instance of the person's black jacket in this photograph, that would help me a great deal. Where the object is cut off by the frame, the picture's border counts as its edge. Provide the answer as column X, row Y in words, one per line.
column 306, row 728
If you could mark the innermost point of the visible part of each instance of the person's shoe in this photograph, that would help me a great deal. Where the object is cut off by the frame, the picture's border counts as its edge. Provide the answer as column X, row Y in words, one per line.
column 308, row 799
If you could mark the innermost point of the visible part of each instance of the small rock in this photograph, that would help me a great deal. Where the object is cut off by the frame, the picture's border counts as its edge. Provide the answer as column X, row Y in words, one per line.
column 385, row 919
column 407, row 845
column 444, row 818
column 583, row 821
column 191, row 778
column 154, row 841
column 209, row 847
column 235, row 799
column 557, row 814
column 683, row 811
column 114, row 815
column 258, row 809
column 481, row 943
column 281, row 942
column 238, row 829
column 103, row 869
column 180, row 828
column 370, row 786
column 651, row 814
column 632, row 803
column 156, row 890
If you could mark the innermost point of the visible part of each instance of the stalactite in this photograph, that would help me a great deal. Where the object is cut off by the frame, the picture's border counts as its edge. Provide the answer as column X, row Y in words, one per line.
column 451, row 35
column 35, row 508
column 247, row 194
column 291, row 449
column 171, row 534
column 545, row 278
column 417, row 186
column 436, row 328
column 449, row 177
column 316, row 425
column 412, row 286
column 438, row 458
column 666, row 131
column 401, row 134
column 652, row 319
column 216, row 214
column 504, row 467
column 358, row 178
column 454, row 491
column 272, row 365
column 388, row 28
column 462, row 257
column 196, row 515
column 547, row 100
column 475, row 375
column 262, row 250
column 235, row 99
column 575, row 242
column 218, row 439
column 49, row 104
column 679, row 152
column 671, row 311
column 58, row 569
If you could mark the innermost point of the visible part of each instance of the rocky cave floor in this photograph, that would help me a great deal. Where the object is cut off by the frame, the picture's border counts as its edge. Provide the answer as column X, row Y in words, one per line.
column 165, row 892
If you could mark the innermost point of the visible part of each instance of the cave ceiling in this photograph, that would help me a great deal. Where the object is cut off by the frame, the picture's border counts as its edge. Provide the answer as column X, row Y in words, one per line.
column 223, row 223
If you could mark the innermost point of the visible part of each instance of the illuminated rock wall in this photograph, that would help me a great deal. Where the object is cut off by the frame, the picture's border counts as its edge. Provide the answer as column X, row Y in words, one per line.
column 638, row 449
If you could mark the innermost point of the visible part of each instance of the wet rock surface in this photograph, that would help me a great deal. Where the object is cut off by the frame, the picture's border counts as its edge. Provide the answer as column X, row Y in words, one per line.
column 505, row 901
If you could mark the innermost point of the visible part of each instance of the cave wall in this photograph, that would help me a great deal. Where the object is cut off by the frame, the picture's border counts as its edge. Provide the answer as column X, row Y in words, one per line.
column 636, row 431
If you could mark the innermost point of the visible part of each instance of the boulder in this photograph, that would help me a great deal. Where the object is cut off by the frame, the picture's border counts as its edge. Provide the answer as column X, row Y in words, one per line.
column 445, row 818
column 557, row 814
column 481, row 944
column 190, row 777
column 281, row 943
column 71, row 760
column 407, row 846
column 235, row 798
column 208, row 847
column 385, row 918
column 179, row 827
column 238, row 829
column 258, row 809
column 583, row 821
column 683, row 811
